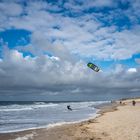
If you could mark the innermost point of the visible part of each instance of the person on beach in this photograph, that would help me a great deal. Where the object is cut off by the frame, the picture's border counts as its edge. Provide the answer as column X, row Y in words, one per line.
column 69, row 108
column 133, row 103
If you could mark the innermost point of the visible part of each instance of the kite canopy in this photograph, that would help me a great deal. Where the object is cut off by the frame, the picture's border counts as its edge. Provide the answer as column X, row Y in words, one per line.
column 93, row 67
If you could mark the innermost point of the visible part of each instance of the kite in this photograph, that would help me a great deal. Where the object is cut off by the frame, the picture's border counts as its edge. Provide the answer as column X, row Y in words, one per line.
column 93, row 67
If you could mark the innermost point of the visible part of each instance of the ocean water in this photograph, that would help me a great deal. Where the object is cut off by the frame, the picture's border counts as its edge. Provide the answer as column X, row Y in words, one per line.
column 18, row 116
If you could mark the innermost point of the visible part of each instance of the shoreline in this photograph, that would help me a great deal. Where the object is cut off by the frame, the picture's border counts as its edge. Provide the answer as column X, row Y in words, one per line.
column 71, row 131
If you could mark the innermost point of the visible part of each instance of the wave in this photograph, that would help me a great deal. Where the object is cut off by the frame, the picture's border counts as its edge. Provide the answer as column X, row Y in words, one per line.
column 37, row 105
column 21, row 109
column 45, row 105
column 17, row 107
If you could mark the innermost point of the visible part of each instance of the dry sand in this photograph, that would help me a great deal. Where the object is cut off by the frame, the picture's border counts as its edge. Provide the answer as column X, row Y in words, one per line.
column 121, row 123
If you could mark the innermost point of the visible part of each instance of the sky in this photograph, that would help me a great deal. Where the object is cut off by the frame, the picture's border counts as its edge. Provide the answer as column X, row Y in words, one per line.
column 45, row 46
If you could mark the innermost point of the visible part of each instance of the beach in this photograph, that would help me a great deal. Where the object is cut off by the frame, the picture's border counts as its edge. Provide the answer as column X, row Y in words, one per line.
column 115, row 122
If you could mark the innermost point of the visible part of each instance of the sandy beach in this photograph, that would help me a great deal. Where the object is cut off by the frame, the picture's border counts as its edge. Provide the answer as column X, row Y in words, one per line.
column 116, row 122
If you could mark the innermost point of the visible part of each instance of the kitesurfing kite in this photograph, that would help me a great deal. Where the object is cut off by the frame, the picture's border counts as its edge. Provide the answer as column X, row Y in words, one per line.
column 93, row 67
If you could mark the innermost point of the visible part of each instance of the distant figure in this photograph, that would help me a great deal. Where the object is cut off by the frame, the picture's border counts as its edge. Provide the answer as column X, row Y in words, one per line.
column 120, row 102
column 133, row 103
column 69, row 108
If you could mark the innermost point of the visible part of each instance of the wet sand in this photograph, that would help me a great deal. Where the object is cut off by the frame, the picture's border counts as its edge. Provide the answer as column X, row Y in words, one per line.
column 116, row 122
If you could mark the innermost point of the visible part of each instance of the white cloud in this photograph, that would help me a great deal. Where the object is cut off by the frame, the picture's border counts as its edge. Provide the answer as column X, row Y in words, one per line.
column 10, row 9
column 132, row 70
column 79, row 5
column 84, row 35
column 46, row 73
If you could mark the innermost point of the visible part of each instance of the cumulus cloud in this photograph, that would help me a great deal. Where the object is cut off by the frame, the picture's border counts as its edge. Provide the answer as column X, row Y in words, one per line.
column 83, row 35
column 132, row 70
column 10, row 9
column 78, row 6
column 53, row 77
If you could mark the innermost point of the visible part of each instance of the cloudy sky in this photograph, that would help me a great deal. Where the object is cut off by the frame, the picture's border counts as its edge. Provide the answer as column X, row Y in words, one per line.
column 45, row 46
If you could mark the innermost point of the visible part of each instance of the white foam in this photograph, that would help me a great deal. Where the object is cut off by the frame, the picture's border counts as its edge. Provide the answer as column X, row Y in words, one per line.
column 91, row 116
column 16, row 107
column 46, row 105
column 21, row 109
column 26, row 137
column 40, row 103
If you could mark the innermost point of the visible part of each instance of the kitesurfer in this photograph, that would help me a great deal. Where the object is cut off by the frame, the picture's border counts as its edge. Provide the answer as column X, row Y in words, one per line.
column 68, row 107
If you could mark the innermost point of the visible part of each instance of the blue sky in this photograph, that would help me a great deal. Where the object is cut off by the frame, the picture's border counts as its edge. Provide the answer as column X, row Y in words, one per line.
column 46, row 35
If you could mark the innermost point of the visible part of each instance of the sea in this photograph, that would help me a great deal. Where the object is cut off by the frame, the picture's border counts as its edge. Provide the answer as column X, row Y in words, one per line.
column 19, row 116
